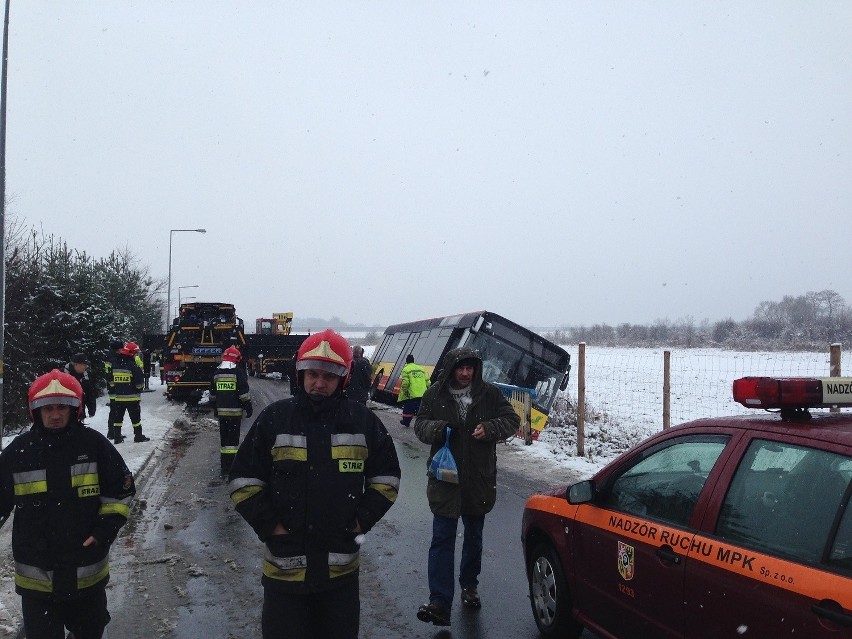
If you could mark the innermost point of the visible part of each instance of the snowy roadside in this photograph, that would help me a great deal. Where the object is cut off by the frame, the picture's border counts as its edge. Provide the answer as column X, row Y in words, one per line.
column 158, row 416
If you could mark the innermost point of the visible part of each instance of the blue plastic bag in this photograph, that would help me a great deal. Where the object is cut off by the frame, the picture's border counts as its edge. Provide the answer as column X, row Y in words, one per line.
column 443, row 465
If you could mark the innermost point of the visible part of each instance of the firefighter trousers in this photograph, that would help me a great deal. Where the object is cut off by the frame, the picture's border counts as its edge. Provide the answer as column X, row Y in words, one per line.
column 86, row 617
column 116, row 416
column 229, row 440
column 331, row 614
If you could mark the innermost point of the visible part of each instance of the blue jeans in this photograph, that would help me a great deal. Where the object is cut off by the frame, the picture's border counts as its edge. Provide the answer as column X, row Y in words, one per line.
column 442, row 555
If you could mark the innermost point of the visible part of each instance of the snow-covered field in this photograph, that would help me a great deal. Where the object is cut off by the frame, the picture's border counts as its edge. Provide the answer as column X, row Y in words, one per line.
column 624, row 393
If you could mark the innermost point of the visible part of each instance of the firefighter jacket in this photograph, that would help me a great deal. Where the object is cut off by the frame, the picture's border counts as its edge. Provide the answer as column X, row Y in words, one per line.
column 229, row 391
column 126, row 380
column 476, row 492
column 320, row 470
column 65, row 486
column 413, row 382
column 90, row 391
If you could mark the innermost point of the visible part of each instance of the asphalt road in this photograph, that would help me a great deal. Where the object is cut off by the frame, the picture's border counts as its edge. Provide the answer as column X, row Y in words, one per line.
column 188, row 566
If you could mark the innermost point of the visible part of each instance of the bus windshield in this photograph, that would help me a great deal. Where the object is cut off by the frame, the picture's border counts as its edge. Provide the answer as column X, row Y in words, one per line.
column 503, row 363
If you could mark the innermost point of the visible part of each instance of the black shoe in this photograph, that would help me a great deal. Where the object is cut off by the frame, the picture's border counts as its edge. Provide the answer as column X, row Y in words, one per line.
column 470, row 597
column 118, row 439
column 139, row 437
column 433, row 613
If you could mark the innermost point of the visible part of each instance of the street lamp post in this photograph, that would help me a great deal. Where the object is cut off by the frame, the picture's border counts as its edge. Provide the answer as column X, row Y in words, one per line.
column 183, row 287
column 169, row 293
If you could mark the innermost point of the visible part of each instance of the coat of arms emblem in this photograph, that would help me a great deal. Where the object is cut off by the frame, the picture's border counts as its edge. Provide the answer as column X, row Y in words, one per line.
column 625, row 561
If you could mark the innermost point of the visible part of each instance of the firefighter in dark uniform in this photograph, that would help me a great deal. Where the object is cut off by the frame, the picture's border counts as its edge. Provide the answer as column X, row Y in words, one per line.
column 315, row 472
column 71, row 493
column 78, row 368
column 125, row 386
column 229, row 392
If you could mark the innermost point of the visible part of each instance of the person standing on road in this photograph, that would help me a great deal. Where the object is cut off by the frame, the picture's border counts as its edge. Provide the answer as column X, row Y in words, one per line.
column 358, row 388
column 229, row 392
column 126, row 385
column 146, row 367
column 313, row 475
column 71, row 492
column 155, row 363
column 478, row 416
column 413, row 384
column 78, row 368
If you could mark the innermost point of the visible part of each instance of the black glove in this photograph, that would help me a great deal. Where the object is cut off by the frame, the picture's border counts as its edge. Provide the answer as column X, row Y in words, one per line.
column 249, row 410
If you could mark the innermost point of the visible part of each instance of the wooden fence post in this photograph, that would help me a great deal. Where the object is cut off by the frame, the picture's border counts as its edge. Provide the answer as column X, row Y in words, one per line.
column 834, row 367
column 581, row 400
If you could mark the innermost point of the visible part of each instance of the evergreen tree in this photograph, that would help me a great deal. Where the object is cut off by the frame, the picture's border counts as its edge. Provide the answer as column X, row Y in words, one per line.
column 59, row 302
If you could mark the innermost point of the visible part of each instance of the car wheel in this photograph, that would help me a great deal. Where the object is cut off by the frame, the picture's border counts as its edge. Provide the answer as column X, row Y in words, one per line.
column 549, row 596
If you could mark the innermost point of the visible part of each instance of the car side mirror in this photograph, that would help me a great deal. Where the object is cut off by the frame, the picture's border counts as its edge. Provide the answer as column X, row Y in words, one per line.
column 581, row 493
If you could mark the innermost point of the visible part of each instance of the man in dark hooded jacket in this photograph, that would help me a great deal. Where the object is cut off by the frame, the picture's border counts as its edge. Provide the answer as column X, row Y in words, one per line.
column 478, row 416
column 359, row 380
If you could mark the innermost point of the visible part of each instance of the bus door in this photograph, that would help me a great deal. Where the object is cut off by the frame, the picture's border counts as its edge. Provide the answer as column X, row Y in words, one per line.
column 393, row 379
column 390, row 360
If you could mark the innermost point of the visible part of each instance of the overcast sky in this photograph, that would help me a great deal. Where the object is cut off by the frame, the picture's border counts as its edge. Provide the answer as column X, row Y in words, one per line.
column 560, row 163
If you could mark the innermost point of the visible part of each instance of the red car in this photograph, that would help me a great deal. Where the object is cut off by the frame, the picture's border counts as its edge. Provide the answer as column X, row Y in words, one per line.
column 727, row 527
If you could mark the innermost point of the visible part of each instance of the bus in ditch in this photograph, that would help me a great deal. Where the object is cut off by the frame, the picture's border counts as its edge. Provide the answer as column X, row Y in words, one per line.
column 513, row 357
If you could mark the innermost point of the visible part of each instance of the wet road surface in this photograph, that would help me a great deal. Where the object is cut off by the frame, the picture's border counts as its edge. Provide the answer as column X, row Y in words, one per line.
column 189, row 566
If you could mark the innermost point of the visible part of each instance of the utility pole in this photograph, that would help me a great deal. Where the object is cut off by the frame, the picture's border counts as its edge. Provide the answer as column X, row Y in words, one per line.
column 3, row 209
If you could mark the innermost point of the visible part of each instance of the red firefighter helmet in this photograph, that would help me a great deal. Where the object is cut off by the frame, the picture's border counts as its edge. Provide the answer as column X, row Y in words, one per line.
column 232, row 354
column 328, row 351
column 55, row 387
column 131, row 348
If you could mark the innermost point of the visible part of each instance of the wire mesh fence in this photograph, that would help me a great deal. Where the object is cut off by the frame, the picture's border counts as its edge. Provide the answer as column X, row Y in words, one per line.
column 625, row 385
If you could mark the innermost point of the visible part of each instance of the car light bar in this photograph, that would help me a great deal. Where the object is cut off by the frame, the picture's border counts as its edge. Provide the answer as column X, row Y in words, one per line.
column 793, row 392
